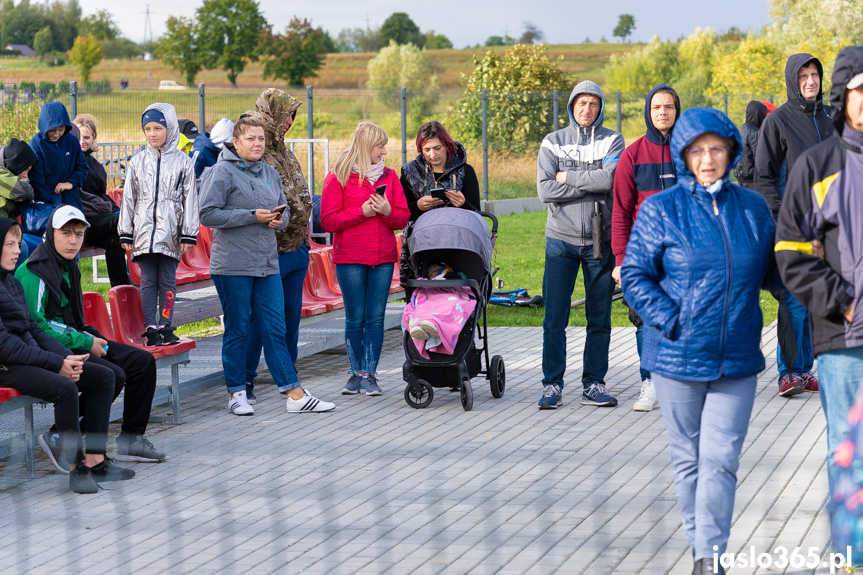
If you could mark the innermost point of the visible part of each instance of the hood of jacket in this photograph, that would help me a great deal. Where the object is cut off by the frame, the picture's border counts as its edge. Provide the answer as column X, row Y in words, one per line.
column 695, row 122
column 755, row 113
column 53, row 115
column 222, row 133
column 849, row 63
column 170, row 114
column 653, row 134
column 203, row 142
column 792, row 87
column 274, row 107
column 586, row 87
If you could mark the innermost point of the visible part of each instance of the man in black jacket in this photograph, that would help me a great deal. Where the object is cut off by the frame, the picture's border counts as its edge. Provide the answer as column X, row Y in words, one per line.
column 824, row 201
column 35, row 364
column 802, row 122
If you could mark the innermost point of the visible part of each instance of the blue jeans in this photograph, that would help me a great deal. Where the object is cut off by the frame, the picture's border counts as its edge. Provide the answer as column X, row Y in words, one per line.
column 800, row 323
column 292, row 268
column 840, row 373
column 639, row 338
column 263, row 296
column 365, row 290
column 562, row 261
column 706, row 423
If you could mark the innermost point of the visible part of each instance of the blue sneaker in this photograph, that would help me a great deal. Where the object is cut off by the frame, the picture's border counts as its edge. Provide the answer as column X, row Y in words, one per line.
column 371, row 386
column 250, row 393
column 552, row 396
column 597, row 395
column 353, row 386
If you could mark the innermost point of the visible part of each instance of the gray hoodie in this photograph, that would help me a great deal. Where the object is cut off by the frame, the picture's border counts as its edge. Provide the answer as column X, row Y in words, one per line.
column 589, row 157
column 230, row 193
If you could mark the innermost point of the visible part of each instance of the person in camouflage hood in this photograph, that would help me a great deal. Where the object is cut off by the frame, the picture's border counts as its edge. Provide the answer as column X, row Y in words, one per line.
column 278, row 109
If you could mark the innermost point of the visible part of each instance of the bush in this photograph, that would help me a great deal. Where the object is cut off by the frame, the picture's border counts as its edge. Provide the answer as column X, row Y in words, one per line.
column 404, row 67
column 19, row 121
column 97, row 87
column 519, row 84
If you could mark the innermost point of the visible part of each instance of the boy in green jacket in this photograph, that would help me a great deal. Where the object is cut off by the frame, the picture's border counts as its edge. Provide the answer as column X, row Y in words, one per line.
column 52, row 287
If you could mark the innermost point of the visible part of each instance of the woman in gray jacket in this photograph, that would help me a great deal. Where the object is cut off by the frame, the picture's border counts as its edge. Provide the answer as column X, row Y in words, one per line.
column 241, row 198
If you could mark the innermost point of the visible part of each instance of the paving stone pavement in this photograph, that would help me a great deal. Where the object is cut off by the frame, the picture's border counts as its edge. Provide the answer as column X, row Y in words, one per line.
column 377, row 487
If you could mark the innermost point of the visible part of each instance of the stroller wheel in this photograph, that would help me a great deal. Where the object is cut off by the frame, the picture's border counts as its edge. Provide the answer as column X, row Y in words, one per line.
column 497, row 376
column 420, row 397
column 466, row 395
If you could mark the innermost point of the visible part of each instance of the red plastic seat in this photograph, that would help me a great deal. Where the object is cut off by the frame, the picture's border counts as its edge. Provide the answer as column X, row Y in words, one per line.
column 117, row 195
column 96, row 314
column 7, row 393
column 195, row 263
column 318, row 285
column 129, row 322
column 332, row 276
column 395, row 285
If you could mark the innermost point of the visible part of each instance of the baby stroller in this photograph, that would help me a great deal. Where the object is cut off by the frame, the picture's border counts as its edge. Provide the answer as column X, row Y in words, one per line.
column 461, row 239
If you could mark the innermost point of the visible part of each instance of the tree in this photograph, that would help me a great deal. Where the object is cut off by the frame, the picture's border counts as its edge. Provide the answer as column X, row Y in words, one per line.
column 64, row 18
column 101, row 25
column 180, row 47
column 228, row 33
column 754, row 67
column 87, row 53
column 43, row 43
column 500, row 41
column 637, row 71
column 519, row 82
column 408, row 67
column 625, row 26
column 401, row 29
column 359, row 40
column 437, row 41
column 531, row 34
column 296, row 55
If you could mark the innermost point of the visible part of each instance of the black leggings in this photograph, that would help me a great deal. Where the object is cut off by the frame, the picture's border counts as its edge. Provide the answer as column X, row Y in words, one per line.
column 96, row 385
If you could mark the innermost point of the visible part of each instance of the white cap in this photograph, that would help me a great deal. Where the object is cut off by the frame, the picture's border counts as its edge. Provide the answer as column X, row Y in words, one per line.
column 65, row 214
column 855, row 82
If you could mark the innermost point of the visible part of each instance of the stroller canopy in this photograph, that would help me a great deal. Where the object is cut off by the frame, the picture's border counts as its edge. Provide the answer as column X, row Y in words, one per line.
column 455, row 236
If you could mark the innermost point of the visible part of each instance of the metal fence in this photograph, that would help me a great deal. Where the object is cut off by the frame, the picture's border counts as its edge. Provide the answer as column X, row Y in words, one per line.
column 501, row 129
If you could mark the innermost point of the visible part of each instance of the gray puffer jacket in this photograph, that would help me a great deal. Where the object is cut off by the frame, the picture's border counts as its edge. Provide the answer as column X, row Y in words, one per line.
column 230, row 193
column 160, row 200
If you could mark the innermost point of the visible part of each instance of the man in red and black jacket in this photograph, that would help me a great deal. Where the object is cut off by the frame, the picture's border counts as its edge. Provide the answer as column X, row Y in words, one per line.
column 824, row 201
column 645, row 168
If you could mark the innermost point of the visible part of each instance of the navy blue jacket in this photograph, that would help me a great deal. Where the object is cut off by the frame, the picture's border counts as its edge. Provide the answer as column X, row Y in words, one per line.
column 204, row 153
column 60, row 161
column 695, row 265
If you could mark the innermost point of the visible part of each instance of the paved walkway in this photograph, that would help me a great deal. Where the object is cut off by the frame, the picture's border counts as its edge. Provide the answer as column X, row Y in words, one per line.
column 378, row 487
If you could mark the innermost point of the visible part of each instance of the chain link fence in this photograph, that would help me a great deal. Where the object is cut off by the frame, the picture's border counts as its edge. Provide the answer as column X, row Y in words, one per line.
column 501, row 131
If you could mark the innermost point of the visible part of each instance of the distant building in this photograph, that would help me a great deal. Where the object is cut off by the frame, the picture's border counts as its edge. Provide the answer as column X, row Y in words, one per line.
column 22, row 48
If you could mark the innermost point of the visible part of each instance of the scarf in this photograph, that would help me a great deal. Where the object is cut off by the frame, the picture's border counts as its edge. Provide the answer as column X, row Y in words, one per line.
column 374, row 173
column 49, row 266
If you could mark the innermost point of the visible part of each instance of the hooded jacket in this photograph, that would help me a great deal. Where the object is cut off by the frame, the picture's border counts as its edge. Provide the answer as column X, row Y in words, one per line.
column 274, row 107
column 756, row 111
column 160, row 200
column 824, row 200
column 21, row 340
column 230, row 193
column 589, row 156
column 695, row 265
column 205, row 152
column 418, row 179
column 645, row 168
column 795, row 126
column 58, row 162
column 14, row 192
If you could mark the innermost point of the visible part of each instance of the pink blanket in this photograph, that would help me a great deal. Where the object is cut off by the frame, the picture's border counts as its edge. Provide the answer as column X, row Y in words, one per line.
column 447, row 308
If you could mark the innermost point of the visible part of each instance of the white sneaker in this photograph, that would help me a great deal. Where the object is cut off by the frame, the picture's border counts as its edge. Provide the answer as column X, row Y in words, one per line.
column 308, row 404
column 238, row 404
column 647, row 400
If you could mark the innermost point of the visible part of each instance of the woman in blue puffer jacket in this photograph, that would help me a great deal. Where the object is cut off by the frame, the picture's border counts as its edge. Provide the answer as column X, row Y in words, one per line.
column 695, row 263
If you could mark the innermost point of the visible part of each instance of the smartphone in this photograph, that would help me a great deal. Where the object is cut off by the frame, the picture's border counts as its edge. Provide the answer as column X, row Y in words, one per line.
column 381, row 189
column 279, row 210
column 439, row 193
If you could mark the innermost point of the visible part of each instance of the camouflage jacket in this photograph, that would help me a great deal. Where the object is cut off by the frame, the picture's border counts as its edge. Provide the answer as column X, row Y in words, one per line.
column 274, row 106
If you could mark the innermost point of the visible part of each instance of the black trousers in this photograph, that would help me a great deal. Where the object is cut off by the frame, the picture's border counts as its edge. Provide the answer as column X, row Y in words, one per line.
column 134, row 369
column 96, row 385
column 102, row 233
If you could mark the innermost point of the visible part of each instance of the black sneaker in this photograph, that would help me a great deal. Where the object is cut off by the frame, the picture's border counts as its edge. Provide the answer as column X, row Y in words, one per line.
column 53, row 448
column 152, row 336
column 137, row 448
column 108, row 471
column 81, row 479
column 168, row 337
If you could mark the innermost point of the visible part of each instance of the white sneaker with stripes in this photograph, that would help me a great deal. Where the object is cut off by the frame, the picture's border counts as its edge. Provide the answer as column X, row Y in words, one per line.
column 238, row 404
column 309, row 404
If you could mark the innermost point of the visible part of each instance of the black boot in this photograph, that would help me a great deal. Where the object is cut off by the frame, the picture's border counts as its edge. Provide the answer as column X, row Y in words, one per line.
column 704, row 566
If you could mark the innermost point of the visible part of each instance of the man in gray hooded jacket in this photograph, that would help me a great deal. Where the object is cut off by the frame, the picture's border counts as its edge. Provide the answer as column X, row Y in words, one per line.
column 575, row 177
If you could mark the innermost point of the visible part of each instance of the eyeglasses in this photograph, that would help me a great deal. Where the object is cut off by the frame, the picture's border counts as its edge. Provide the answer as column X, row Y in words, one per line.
column 714, row 151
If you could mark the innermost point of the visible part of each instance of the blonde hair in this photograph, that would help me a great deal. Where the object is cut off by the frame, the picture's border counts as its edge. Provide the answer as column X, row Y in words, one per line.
column 86, row 121
column 359, row 151
column 245, row 122
column 16, row 231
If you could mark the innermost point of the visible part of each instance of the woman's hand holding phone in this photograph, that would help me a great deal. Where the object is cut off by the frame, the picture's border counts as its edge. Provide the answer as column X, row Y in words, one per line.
column 455, row 197
column 426, row 203
column 380, row 205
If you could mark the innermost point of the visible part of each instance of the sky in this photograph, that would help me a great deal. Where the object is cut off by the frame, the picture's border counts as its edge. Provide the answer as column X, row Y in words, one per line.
column 470, row 22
